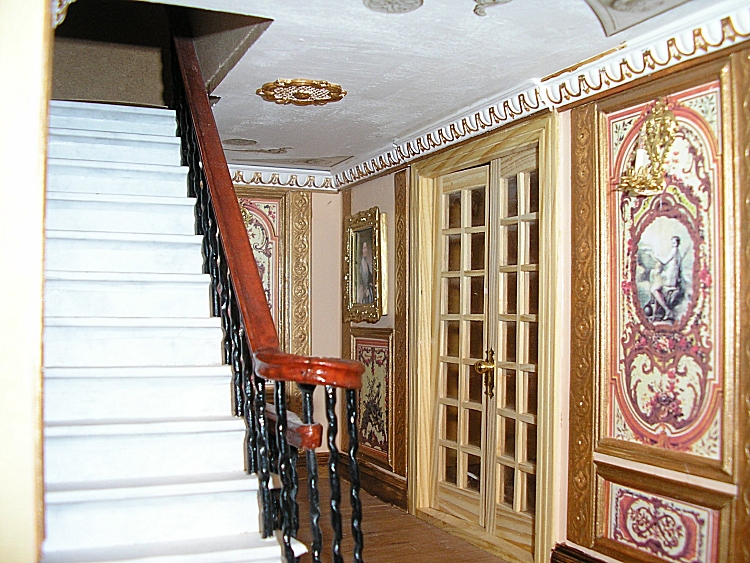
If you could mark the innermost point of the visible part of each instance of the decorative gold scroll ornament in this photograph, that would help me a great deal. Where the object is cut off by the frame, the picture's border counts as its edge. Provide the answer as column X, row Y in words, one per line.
column 647, row 176
column 301, row 92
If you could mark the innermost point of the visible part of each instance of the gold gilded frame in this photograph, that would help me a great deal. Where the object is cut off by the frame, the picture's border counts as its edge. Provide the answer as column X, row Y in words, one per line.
column 374, row 306
column 295, row 267
column 589, row 325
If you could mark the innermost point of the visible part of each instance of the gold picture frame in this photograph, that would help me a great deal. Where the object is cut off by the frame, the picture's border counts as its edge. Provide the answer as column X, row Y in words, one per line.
column 365, row 261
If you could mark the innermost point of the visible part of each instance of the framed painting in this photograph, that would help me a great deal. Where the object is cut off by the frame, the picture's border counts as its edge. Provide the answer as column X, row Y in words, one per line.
column 365, row 279
column 659, row 340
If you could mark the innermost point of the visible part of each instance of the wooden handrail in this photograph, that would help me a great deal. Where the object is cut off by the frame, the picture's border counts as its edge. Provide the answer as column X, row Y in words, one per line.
column 300, row 435
column 271, row 363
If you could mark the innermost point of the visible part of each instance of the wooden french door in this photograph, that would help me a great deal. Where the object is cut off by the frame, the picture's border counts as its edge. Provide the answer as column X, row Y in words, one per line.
column 488, row 269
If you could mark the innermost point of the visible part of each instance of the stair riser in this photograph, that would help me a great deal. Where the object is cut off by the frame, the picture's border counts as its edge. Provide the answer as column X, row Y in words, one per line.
column 131, row 346
column 137, row 521
column 118, row 217
column 138, row 152
column 68, row 298
column 163, row 126
column 103, row 181
column 76, row 459
column 136, row 398
column 92, row 255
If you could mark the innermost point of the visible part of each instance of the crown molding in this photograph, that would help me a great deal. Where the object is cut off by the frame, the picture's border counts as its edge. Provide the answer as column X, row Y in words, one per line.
column 704, row 32
column 289, row 178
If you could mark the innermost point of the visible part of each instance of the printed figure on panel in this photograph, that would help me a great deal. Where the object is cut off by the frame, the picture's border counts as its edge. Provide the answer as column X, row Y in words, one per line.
column 261, row 223
column 666, row 355
column 373, row 398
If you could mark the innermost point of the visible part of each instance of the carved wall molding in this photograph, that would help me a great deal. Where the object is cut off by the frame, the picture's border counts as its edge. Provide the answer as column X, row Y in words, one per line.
column 741, row 72
column 300, row 204
column 635, row 60
column 401, row 320
column 581, row 474
column 267, row 177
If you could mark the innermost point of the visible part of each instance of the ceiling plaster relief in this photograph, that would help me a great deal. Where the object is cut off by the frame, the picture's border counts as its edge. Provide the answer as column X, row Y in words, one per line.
column 301, row 92
column 617, row 15
column 393, row 6
column 482, row 5
column 59, row 11
column 640, row 58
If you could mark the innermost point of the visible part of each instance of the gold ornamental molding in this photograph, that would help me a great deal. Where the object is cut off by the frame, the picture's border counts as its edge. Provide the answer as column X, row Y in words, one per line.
column 301, row 92
column 704, row 33
column 281, row 178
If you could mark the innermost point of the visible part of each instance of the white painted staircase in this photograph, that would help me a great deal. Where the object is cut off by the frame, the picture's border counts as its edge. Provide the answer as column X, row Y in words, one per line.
column 143, row 460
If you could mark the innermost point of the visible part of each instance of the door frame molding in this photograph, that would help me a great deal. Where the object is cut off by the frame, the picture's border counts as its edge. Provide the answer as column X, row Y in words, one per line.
column 545, row 130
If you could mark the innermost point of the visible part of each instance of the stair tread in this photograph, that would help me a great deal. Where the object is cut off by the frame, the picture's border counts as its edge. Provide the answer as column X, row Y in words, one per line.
column 218, row 370
column 150, row 487
column 122, row 198
column 58, row 106
column 128, row 237
column 240, row 547
column 139, row 322
column 176, row 169
column 145, row 277
column 99, row 427
column 109, row 137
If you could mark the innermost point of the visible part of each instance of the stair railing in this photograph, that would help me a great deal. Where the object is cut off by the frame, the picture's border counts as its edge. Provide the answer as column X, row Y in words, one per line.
column 251, row 343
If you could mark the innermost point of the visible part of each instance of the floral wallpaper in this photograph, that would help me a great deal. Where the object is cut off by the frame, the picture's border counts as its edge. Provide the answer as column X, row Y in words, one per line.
column 373, row 398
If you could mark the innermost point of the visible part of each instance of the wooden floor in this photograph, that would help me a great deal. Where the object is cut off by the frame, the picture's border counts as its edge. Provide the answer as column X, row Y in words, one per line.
column 390, row 534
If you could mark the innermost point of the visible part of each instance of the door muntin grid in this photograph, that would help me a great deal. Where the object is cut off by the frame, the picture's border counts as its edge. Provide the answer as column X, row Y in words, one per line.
column 462, row 327
column 516, row 335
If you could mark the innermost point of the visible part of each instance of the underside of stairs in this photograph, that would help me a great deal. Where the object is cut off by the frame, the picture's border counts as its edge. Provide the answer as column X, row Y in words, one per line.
column 143, row 459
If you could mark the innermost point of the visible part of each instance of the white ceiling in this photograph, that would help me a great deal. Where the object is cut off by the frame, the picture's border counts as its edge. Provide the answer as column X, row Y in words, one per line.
column 402, row 72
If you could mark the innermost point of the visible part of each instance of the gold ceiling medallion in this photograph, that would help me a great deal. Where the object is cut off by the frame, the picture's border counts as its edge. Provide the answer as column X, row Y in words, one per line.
column 301, row 92
column 482, row 5
column 647, row 175
column 392, row 6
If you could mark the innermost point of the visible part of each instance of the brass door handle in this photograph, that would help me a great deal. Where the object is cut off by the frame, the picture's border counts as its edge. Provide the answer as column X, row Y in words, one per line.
column 487, row 367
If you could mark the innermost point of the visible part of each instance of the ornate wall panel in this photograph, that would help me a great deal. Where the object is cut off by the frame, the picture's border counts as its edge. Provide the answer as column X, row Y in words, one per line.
column 665, row 366
column 667, row 528
column 660, row 319
column 278, row 225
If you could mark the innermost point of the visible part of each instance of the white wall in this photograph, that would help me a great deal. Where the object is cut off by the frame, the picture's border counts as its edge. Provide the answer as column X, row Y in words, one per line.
column 25, row 34
column 325, row 286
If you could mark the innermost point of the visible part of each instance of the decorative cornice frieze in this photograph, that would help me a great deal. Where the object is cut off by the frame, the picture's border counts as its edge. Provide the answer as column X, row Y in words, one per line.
column 268, row 177
column 719, row 27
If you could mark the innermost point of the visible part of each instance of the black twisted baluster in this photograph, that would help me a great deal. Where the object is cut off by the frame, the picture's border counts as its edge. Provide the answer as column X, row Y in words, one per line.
column 293, row 458
column 225, row 282
column 312, row 477
column 283, row 467
column 351, row 426
column 246, row 398
column 235, row 325
column 213, row 255
column 333, row 473
column 263, row 460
